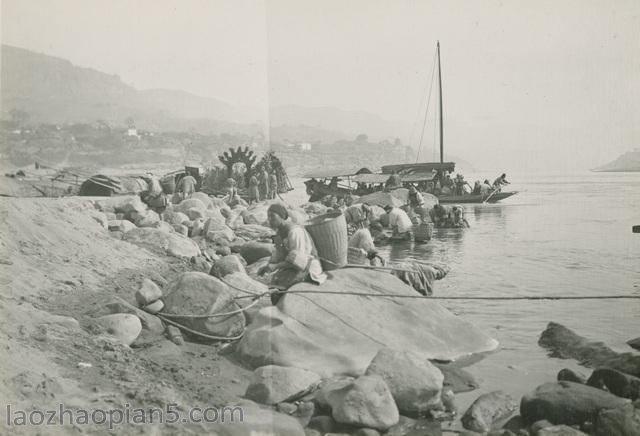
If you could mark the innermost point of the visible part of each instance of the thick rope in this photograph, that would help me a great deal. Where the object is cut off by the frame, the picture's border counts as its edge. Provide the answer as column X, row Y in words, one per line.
column 372, row 294
column 213, row 315
column 430, row 297
column 197, row 333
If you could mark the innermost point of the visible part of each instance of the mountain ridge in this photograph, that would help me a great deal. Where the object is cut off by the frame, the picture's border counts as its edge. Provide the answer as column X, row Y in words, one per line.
column 54, row 90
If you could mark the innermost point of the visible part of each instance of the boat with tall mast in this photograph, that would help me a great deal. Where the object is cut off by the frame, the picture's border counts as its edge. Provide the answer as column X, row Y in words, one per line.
column 430, row 177
column 437, row 171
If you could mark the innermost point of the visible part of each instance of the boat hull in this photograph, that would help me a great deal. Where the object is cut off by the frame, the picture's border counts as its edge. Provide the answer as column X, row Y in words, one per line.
column 450, row 199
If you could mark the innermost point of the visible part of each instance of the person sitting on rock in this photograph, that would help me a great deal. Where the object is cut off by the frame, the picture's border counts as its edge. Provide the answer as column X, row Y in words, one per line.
column 295, row 258
column 154, row 196
column 187, row 186
column 232, row 197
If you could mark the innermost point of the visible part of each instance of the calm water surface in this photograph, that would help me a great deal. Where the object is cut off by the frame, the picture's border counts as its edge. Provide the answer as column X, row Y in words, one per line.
column 562, row 235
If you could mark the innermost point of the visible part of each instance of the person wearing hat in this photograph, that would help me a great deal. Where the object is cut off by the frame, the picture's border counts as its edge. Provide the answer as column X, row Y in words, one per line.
column 295, row 258
column 399, row 222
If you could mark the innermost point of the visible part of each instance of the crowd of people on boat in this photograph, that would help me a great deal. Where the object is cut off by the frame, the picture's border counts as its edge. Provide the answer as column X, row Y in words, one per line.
column 444, row 184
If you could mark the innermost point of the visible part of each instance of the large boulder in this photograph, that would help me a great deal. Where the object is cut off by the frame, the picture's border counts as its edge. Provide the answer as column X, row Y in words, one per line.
column 187, row 204
column 195, row 213
column 457, row 379
column 622, row 421
column 366, row 402
column 148, row 321
column 254, row 251
column 486, row 410
column 274, row 384
column 213, row 224
column 566, row 403
column 340, row 334
column 227, row 265
column 162, row 242
column 147, row 293
column 571, row 375
column 203, row 197
column 121, row 226
column 125, row 204
column 123, row 327
column 414, row 427
column 243, row 285
column 256, row 214
column 634, row 343
column 178, row 218
column 252, row 232
column 616, row 382
column 148, row 218
column 221, row 236
column 414, row 383
column 247, row 418
column 326, row 386
column 559, row 430
column 564, row 343
column 164, row 227
column 196, row 293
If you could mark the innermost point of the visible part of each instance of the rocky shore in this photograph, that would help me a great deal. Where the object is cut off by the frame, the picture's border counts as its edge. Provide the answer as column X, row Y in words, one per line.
column 108, row 305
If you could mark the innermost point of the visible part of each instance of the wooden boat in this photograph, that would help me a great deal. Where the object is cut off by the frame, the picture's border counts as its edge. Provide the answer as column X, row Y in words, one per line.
column 422, row 175
column 439, row 168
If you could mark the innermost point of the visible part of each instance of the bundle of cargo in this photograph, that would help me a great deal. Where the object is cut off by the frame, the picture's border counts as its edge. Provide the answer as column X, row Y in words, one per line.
column 105, row 186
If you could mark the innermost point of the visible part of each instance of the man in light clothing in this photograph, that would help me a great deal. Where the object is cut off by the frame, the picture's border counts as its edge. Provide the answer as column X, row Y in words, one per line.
column 295, row 258
column 399, row 222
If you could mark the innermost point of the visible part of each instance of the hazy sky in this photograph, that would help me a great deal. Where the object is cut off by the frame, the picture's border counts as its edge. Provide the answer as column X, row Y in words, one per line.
column 526, row 83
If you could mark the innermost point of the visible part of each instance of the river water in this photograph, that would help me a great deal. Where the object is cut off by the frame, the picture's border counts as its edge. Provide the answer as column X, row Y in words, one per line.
column 562, row 235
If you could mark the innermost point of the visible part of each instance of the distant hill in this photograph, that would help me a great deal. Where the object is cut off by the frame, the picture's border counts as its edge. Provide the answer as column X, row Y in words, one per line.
column 53, row 90
column 630, row 161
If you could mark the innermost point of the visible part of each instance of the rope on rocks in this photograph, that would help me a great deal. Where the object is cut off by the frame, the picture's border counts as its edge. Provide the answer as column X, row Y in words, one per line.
column 197, row 333
column 213, row 315
column 373, row 294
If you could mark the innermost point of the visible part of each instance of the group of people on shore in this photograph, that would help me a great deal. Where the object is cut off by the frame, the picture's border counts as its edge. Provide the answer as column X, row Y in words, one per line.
column 263, row 186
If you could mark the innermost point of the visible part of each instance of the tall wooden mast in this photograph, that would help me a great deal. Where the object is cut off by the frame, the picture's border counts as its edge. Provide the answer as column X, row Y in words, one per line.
column 440, row 87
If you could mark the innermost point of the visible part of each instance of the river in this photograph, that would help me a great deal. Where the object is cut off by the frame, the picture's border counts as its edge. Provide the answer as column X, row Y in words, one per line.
column 562, row 235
